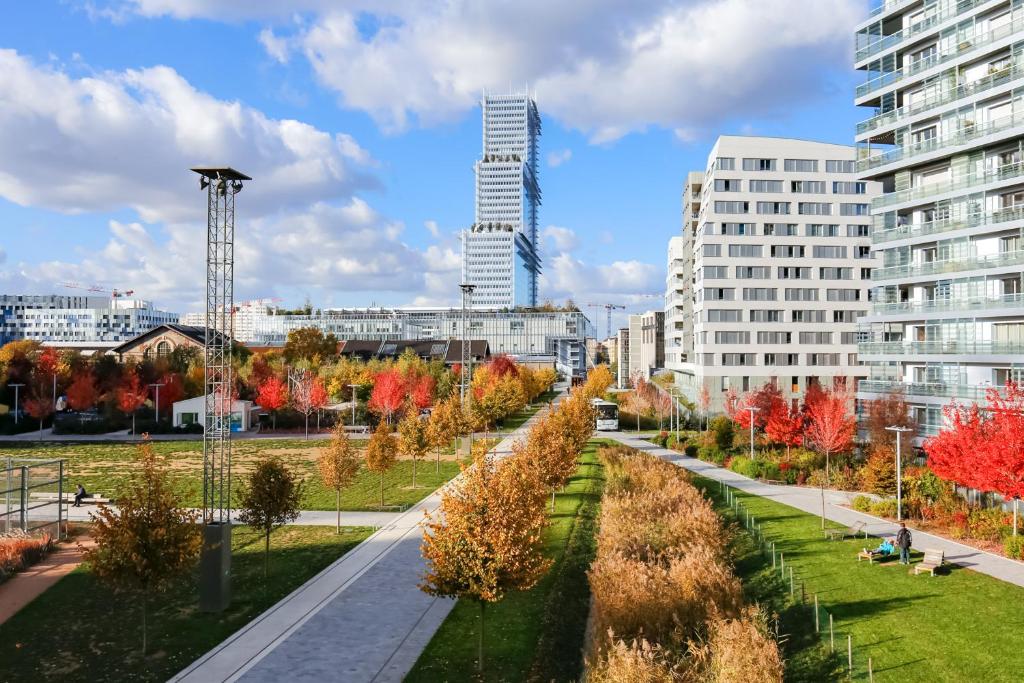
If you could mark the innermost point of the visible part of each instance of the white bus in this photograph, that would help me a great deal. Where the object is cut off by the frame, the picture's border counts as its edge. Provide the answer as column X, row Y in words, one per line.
column 607, row 415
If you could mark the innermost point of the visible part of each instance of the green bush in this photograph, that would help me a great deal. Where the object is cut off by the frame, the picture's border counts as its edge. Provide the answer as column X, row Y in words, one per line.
column 884, row 508
column 723, row 433
column 711, row 454
column 1013, row 546
column 745, row 466
column 691, row 450
column 862, row 503
column 987, row 524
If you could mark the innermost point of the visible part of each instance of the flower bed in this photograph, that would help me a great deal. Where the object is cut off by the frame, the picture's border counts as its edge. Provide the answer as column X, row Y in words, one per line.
column 19, row 551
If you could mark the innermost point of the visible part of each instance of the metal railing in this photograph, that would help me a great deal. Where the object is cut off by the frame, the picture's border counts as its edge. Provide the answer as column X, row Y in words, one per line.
column 889, row 5
column 1004, row 172
column 948, row 10
column 957, row 305
column 32, row 495
column 954, row 265
column 963, row 90
column 969, row 131
column 964, row 46
column 934, row 389
column 951, row 346
column 942, row 225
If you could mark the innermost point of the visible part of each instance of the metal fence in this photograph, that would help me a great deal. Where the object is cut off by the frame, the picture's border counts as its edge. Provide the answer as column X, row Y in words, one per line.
column 32, row 496
column 835, row 635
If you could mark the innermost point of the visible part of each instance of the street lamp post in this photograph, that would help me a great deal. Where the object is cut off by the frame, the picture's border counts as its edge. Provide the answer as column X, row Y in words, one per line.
column 899, row 469
column 752, row 410
column 354, row 387
column 157, row 408
column 16, row 387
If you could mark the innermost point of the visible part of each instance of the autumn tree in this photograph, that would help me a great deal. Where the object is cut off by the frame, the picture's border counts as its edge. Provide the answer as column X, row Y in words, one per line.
column 131, row 395
column 888, row 411
column 338, row 465
column 39, row 408
column 704, row 402
column 172, row 391
column 445, row 423
column 599, row 380
column 308, row 394
column 484, row 540
column 272, row 395
column 381, row 451
column 388, row 394
column 150, row 539
column 412, row 439
column 830, row 429
column 421, row 392
column 785, row 426
column 309, row 344
column 82, row 392
column 269, row 497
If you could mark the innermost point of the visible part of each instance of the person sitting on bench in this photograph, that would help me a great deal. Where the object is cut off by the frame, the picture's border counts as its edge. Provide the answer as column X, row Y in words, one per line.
column 886, row 548
column 79, row 495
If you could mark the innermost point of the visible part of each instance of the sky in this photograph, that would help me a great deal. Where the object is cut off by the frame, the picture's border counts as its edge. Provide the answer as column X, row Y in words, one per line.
column 359, row 122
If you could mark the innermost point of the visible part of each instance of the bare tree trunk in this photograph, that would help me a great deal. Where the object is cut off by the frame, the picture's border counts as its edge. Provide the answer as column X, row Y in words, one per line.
column 437, row 468
column 552, row 501
column 307, row 426
column 480, row 642
column 266, row 555
column 337, row 500
column 414, row 459
column 381, row 490
column 145, row 600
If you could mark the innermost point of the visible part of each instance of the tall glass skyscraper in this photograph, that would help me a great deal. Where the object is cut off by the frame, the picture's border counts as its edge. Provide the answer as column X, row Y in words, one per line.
column 500, row 253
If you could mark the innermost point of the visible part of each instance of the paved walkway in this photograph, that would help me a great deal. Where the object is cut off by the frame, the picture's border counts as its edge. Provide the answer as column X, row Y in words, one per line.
column 306, row 517
column 26, row 586
column 362, row 619
column 809, row 500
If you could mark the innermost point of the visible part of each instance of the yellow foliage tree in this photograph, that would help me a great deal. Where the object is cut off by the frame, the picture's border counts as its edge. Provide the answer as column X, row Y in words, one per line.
column 485, row 538
column 380, row 454
column 150, row 540
column 412, row 439
column 338, row 464
column 447, row 421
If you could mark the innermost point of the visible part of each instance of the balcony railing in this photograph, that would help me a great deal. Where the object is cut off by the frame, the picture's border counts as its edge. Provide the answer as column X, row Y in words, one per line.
column 1004, row 172
column 964, row 46
column 955, row 265
column 955, row 305
column 889, row 5
column 993, row 80
column 969, row 392
column 952, row 346
column 968, row 131
column 948, row 10
column 942, row 225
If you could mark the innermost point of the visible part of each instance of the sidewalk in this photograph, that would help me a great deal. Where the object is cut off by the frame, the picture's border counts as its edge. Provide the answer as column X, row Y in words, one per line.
column 306, row 517
column 362, row 619
column 27, row 585
column 809, row 500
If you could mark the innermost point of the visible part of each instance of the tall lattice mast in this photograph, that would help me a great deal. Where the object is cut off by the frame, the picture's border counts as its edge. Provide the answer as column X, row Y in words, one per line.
column 467, row 355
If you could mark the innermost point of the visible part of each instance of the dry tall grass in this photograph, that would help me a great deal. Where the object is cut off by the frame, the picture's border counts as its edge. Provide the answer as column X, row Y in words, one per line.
column 19, row 551
column 739, row 651
column 636, row 662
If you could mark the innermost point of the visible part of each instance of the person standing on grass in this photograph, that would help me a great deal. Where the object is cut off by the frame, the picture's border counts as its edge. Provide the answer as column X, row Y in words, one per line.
column 903, row 540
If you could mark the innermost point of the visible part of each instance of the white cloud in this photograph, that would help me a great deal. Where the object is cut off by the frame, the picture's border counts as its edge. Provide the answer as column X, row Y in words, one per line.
column 276, row 47
column 128, row 138
column 566, row 276
column 432, row 228
column 605, row 67
column 557, row 238
column 3, row 256
column 557, row 158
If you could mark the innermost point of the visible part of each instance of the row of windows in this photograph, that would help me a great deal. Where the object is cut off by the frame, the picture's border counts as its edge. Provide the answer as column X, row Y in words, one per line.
column 783, row 273
column 803, row 208
column 788, row 165
column 780, row 359
column 797, row 186
column 786, row 251
column 765, row 337
column 787, row 229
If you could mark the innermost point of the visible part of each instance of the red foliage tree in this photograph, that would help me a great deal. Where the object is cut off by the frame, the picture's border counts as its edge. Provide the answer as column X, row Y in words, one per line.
column 272, row 395
column 421, row 393
column 503, row 365
column 48, row 361
column 785, row 426
column 39, row 407
column 732, row 404
column 82, row 393
column 130, row 395
column 388, row 394
column 309, row 394
column 830, row 424
column 172, row 391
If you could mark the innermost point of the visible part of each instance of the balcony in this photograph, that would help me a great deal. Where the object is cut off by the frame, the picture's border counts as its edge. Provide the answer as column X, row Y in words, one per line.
column 1004, row 172
column 954, row 305
column 889, row 5
column 949, row 10
column 955, row 265
column 944, row 225
column 952, row 347
column 993, row 80
column 963, row 47
column 968, row 392
column 968, row 131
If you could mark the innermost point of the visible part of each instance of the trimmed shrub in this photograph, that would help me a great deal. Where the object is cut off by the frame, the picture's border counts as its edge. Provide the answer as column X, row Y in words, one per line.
column 722, row 432
column 862, row 503
column 1013, row 546
column 691, row 450
column 712, row 454
column 19, row 550
column 884, row 508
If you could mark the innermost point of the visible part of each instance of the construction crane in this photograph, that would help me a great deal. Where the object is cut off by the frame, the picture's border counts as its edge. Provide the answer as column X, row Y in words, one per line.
column 114, row 293
column 608, row 308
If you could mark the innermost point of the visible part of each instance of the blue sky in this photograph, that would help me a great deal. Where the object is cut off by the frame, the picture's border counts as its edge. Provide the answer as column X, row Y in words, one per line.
column 359, row 123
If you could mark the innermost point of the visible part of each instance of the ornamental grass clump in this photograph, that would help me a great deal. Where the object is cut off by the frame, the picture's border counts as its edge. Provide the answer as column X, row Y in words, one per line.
column 739, row 651
column 636, row 662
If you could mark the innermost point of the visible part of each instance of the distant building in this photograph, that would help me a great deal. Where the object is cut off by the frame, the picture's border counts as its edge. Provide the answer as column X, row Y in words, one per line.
column 622, row 366
column 85, row 322
column 500, row 252
column 193, row 411
column 679, row 290
column 646, row 343
column 248, row 316
column 448, row 351
column 161, row 342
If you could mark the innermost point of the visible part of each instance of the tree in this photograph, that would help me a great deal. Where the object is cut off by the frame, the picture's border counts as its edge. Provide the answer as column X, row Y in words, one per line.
column 131, row 395
column 879, row 472
column 172, row 391
column 82, row 392
column 309, row 344
column 150, row 539
column 485, row 538
column 388, row 394
column 308, row 394
column 40, row 408
column 421, row 392
column 704, row 401
column 412, row 439
column 272, row 395
column 830, row 429
column 380, row 454
column 445, row 423
column 338, row 464
column 785, row 426
column 599, row 380
column 887, row 411
column 269, row 497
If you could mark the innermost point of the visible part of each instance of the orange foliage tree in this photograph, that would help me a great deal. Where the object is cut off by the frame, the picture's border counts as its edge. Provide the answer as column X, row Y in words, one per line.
column 388, row 394
column 130, row 394
column 82, row 393
column 380, row 454
column 272, row 395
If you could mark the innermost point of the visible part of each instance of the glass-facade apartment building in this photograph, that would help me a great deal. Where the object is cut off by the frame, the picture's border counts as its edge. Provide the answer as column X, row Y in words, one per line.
column 500, row 252
column 943, row 84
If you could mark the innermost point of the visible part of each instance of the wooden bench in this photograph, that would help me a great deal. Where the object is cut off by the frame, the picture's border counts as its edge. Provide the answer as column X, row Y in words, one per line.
column 872, row 555
column 357, row 429
column 933, row 559
column 840, row 534
column 92, row 498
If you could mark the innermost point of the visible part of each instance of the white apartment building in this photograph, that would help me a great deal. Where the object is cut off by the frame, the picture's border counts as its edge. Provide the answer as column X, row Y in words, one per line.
column 646, row 344
column 500, row 251
column 679, row 284
column 88, row 322
column 782, row 266
column 622, row 360
column 248, row 317
column 944, row 80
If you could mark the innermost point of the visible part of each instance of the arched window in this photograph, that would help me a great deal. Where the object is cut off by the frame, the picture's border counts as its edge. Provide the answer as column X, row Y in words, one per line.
column 163, row 349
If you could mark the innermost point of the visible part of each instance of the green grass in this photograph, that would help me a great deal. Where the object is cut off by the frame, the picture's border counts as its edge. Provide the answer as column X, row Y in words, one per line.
column 102, row 468
column 519, row 419
column 535, row 634
column 80, row 630
column 958, row 626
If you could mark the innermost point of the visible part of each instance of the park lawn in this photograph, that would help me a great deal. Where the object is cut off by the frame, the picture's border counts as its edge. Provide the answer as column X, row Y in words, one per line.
column 102, row 468
column 958, row 626
column 80, row 630
column 536, row 634
column 516, row 421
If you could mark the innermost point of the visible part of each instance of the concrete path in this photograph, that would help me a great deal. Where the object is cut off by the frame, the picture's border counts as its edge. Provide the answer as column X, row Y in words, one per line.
column 26, row 586
column 362, row 619
column 809, row 500
column 306, row 517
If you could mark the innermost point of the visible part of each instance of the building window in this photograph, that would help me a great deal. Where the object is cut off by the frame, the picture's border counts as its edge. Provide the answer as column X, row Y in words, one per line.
column 732, row 207
column 821, row 251
column 808, row 186
column 765, row 186
column 163, row 349
column 815, row 209
column 724, row 185
column 725, row 164
column 840, row 166
column 854, row 209
column 801, row 165
column 737, row 229
column 745, row 250
column 773, row 208
column 759, row 164
column 844, row 187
